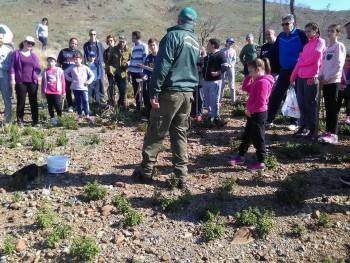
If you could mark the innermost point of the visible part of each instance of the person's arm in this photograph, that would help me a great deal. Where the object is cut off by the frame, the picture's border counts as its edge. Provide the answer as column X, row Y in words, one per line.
column 43, row 82
column 67, row 73
column 6, row 64
column 241, row 55
column 247, row 84
column 37, row 67
column 12, row 69
column 315, row 56
column 63, row 82
column 37, row 30
column 294, row 75
column 90, row 75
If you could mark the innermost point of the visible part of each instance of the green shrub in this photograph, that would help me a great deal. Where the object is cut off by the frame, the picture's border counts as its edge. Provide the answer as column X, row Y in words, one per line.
column 14, row 132
column 43, row 115
column 292, row 190
column 299, row 150
column 17, row 196
column 239, row 77
column 324, row 220
column 229, row 184
column 93, row 140
column 234, row 144
column 68, row 121
column 344, row 129
column 121, row 202
column 271, row 161
column 170, row 204
column 45, row 216
column 61, row 232
column 62, row 140
column 28, row 130
column 173, row 181
column 205, row 213
column 94, row 191
column 297, row 230
column 265, row 223
column 275, row 137
column 280, row 119
column 212, row 228
column 9, row 244
column 142, row 127
column 132, row 218
column 85, row 248
column 118, row 115
column 37, row 140
column 2, row 140
column 321, row 125
column 238, row 110
column 329, row 259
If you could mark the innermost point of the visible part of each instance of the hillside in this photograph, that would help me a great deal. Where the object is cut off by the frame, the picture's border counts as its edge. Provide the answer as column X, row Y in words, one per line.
column 69, row 18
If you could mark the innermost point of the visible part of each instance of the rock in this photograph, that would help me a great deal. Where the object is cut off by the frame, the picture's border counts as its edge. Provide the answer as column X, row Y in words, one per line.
column 166, row 258
column 55, row 188
column 89, row 211
column 126, row 233
column 119, row 184
column 2, row 191
column 101, row 260
column 15, row 206
column 100, row 234
column 107, row 209
column 32, row 204
column 242, row 236
column 21, row 245
column 150, row 250
column 28, row 214
column 316, row 214
column 187, row 235
column 118, row 239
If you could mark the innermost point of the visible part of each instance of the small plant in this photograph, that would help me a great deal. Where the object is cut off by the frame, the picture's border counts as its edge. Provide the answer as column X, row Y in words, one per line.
column 329, row 259
column 169, row 204
column 207, row 171
column 37, row 141
column 291, row 151
column 9, row 244
column 344, row 129
column 94, row 191
column 297, row 230
column 28, row 130
column 280, row 119
column 324, row 220
column 103, row 130
column 339, row 158
column 121, row 202
column 62, row 140
column 321, row 125
column 17, row 196
column 271, row 161
column 68, row 121
column 229, row 184
column 137, row 260
column 132, row 218
column 275, row 137
column 234, row 144
column 238, row 110
column 118, row 115
column 173, row 181
column 14, row 132
column 45, row 216
column 185, row 198
column 205, row 213
column 142, row 127
column 212, row 228
column 292, row 190
column 207, row 152
column 43, row 116
column 93, row 140
column 85, row 248
column 265, row 223
column 248, row 217
column 2, row 140
column 61, row 232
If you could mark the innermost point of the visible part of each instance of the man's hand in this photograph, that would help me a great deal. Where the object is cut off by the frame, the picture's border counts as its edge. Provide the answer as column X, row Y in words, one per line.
column 292, row 84
column 13, row 83
column 155, row 103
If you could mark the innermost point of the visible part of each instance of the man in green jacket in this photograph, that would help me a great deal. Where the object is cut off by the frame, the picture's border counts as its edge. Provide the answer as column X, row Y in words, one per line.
column 173, row 81
column 248, row 52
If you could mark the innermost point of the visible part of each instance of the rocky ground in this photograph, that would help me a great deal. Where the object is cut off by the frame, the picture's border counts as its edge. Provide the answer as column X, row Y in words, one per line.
column 165, row 236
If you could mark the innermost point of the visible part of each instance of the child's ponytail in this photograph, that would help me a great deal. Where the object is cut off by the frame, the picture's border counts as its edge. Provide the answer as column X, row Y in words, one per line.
column 264, row 64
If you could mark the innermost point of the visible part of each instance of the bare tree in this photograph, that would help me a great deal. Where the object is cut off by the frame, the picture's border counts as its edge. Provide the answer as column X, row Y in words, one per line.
column 274, row 19
column 327, row 17
column 209, row 25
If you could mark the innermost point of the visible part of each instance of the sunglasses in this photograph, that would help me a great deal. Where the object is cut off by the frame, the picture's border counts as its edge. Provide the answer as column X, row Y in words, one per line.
column 92, row 34
column 286, row 24
column 30, row 43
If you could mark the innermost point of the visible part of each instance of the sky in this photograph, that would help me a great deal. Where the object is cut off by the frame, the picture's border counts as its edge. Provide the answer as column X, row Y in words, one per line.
column 335, row 5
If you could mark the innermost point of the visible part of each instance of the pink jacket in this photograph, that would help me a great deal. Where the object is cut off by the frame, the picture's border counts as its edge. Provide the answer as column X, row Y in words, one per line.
column 259, row 92
column 309, row 60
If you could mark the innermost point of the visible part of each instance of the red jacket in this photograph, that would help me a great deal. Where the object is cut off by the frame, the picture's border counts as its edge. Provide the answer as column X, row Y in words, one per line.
column 259, row 92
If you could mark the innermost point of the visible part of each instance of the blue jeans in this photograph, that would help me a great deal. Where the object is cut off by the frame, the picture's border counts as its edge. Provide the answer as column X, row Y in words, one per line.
column 121, row 84
column 211, row 91
column 110, row 90
column 94, row 87
column 307, row 100
column 6, row 92
column 197, row 95
column 278, row 94
column 43, row 41
column 81, row 101
column 230, row 76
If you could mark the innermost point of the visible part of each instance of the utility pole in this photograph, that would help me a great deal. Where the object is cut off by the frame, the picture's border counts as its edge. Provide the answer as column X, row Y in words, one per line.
column 264, row 24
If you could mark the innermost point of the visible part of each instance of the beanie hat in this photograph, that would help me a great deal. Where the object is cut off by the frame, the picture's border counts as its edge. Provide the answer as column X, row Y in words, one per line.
column 92, row 54
column 188, row 14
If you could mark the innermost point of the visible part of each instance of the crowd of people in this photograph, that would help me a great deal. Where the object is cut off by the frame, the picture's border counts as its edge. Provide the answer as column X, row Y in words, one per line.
column 173, row 79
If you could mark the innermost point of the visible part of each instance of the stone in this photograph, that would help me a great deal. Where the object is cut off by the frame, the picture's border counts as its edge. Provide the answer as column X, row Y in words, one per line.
column 242, row 236
column 119, row 184
column 21, row 245
column 107, row 209
column 150, row 250
column 55, row 188
column 187, row 235
column 316, row 214
column 15, row 206
column 126, row 233
column 32, row 204
column 2, row 191
column 166, row 258
column 118, row 239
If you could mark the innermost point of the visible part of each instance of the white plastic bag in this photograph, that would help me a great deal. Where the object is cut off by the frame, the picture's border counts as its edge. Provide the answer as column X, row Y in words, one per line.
column 290, row 106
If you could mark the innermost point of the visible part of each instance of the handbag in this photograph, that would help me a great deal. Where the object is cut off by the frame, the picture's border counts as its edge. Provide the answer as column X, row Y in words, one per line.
column 290, row 106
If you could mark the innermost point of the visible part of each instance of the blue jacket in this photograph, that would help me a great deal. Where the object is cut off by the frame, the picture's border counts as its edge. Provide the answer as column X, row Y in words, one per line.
column 286, row 49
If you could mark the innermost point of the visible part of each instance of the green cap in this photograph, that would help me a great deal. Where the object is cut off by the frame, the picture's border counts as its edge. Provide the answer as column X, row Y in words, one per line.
column 189, row 14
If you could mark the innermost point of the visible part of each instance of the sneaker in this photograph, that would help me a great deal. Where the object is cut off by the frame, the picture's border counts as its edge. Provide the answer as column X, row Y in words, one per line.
column 238, row 160
column 345, row 179
column 36, row 125
column 70, row 109
column 142, row 178
column 80, row 119
column 302, row 132
column 89, row 119
column 310, row 137
column 331, row 138
column 347, row 119
column 256, row 167
column 54, row 121
column 292, row 127
column 269, row 125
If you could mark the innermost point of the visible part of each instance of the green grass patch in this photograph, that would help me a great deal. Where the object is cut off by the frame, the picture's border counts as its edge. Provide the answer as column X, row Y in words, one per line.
column 132, row 218
column 68, row 121
column 45, row 217
column 94, row 191
column 37, row 140
column 238, row 110
column 61, row 232
column 121, row 202
column 292, row 190
column 84, row 248
column 62, row 140
column 9, row 244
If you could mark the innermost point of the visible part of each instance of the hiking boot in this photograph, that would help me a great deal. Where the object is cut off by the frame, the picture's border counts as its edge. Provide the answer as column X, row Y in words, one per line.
column 292, row 127
column 331, row 138
column 256, row 167
column 238, row 160
column 142, row 178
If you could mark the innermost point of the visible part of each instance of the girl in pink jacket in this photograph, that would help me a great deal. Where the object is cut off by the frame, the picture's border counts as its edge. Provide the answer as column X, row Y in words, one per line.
column 306, row 75
column 258, row 85
column 53, row 86
column 330, row 76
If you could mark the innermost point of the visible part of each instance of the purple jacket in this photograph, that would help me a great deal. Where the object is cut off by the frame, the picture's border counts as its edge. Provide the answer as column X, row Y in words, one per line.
column 16, row 67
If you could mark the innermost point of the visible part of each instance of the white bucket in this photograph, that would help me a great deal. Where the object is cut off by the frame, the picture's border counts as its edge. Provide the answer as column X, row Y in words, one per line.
column 57, row 164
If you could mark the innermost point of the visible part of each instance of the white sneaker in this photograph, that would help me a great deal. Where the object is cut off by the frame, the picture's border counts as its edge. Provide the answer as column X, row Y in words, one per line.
column 70, row 109
column 54, row 121
column 331, row 138
column 347, row 119
column 292, row 127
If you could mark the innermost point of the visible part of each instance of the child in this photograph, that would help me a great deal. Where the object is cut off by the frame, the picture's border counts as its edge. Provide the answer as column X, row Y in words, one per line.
column 150, row 60
column 53, row 86
column 81, row 76
column 330, row 75
column 344, row 93
column 258, row 85
column 94, row 87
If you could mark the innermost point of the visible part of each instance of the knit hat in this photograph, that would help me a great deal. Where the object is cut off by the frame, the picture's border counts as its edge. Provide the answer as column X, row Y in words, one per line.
column 230, row 40
column 91, row 54
column 53, row 56
column 188, row 14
